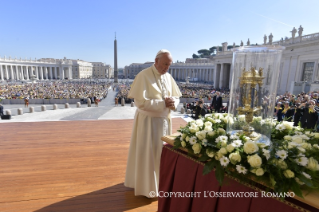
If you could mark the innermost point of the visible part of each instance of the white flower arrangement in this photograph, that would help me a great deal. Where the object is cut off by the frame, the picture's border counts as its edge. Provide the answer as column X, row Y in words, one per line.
column 289, row 162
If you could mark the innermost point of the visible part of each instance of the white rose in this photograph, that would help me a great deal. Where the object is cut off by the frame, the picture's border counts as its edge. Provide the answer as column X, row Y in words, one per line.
column 201, row 135
column 259, row 172
column 282, row 164
column 255, row 161
column 218, row 155
column 208, row 129
column 208, row 124
column 187, row 138
column 210, row 153
column 307, row 132
column 288, row 125
column 241, row 118
column 183, row 143
column 197, row 147
column 313, row 164
column 199, row 122
column 257, row 118
column 184, row 135
column 221, row 131
column 210, row 119
column 296, row 139
column 235, row 157
column 316, row 135
column 246, row 138
column 250, row 147
column 289, row 174
column 287, row 137
column 306, row 146
column 211, row 133
column 230, row 148
column 223, row 151
column 194, row 129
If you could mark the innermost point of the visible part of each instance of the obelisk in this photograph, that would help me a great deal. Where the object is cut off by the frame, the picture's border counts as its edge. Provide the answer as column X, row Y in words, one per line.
column 115, row 60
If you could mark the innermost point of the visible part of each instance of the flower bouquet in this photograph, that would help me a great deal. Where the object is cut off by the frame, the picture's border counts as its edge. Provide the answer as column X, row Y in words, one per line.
column 288, row 163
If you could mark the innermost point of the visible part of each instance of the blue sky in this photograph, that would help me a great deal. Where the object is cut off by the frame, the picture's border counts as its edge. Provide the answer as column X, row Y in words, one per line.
column 85, row 29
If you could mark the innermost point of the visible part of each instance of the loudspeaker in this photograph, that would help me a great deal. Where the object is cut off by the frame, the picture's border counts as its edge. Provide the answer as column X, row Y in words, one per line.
column 6, row 117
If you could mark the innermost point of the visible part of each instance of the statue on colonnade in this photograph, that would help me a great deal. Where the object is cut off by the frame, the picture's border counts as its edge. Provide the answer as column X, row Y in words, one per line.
column 300, row 30
column 270, row 38
column 234, row 45
column 265, row 40
column 248, row 42
column 293, row 32
column 241, row 43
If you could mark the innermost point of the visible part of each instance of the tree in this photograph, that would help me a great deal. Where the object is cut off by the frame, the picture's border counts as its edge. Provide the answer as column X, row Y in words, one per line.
column 204, row 52
column 195, row 56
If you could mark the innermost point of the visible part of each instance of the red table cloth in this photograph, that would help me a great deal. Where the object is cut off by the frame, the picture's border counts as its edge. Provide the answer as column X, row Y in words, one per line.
column 183, row 174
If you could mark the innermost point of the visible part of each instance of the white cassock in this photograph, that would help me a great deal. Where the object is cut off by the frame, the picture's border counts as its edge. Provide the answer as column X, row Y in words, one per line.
column 152, row 121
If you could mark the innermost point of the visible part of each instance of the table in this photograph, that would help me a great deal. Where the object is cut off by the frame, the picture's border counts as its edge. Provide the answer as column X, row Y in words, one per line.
column 182, row 173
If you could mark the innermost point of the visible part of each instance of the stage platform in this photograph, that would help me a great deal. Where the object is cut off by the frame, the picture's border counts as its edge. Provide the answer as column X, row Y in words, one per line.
column 68, row 166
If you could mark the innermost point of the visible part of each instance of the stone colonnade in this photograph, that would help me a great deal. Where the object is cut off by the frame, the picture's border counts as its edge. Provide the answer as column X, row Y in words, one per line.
column 24, row 72
column 202, row 74
column 223, row 76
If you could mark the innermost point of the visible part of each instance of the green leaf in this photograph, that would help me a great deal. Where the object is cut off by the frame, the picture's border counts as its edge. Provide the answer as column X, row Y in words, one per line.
column 296, row 189
column 219, row 173
column 209, row 166
column 307, row 181
column 177, row 144
column 204, row 157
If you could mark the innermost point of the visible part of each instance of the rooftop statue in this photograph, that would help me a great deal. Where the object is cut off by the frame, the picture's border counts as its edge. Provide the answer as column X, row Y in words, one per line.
column 270, row 38
column 293, row 32
column 265, row 39
column 300, row 31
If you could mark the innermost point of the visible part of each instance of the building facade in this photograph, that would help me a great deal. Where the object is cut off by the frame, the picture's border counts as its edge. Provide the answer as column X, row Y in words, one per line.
column 102, row 70
column 180, row 71
column 299, row 63
column 52, row 69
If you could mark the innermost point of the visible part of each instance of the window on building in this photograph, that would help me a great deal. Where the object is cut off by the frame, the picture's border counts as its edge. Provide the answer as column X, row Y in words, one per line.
column 308, row 71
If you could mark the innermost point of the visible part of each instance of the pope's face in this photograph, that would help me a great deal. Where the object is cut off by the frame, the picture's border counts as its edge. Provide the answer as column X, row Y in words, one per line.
column 163, row 63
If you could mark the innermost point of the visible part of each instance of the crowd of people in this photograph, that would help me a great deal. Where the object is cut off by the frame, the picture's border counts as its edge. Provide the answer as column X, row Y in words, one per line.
column 302, row 109
column 199, row 90
column 55, row 90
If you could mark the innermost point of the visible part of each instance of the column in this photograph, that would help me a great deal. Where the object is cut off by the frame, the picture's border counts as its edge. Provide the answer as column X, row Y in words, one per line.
column 27, row 73
column 56, row 72
column 1, row 72
column 70, row 72
column 216, row 76
column 61, row 73
column 51, row 76
column 37, row 72
column 42, row 72
column 221, row 77
column 11, row 71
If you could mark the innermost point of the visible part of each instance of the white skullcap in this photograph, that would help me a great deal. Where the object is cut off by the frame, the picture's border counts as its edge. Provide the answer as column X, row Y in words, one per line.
column 161, row 52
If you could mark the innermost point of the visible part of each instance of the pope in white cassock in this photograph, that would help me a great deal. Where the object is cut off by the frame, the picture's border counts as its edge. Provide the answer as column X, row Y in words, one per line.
column 155, row 94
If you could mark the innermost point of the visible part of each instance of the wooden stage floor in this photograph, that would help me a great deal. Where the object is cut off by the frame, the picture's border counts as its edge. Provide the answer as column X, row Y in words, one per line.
column 76, row 166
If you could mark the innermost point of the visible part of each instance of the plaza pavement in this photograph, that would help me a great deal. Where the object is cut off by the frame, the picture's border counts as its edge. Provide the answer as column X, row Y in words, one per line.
column 105, row 111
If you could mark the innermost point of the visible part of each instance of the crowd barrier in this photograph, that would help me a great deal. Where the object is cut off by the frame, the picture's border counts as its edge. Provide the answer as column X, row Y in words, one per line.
column 39, row 101
column 190, row 100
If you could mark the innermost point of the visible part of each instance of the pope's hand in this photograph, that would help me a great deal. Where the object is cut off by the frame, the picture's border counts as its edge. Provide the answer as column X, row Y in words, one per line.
column 169, row 102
